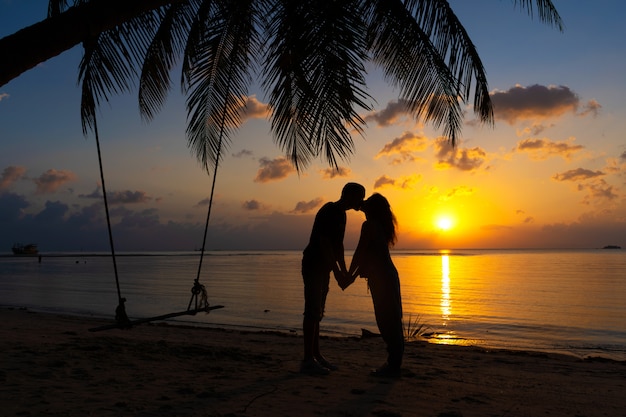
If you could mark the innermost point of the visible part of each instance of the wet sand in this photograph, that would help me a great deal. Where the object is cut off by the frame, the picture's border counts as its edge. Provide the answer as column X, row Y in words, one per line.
column 52, row 365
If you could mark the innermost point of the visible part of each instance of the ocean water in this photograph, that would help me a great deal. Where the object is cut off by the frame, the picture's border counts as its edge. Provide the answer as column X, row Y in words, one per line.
column 567, row 301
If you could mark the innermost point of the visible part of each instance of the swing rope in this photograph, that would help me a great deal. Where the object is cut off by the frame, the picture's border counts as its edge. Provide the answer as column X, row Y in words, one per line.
column 120, row 312
column 197, row 287
column 198, row 291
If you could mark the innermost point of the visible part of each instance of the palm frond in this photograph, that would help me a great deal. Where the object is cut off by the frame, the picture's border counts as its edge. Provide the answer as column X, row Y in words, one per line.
column 216, row 74
column 166, row 47
column 455, row 46
column 55, row 7
column 316, row 78
column 313, row 66
column 545, row 9
column 103, row 70
column 109, row 64
column 411, row 61
column 286, row 81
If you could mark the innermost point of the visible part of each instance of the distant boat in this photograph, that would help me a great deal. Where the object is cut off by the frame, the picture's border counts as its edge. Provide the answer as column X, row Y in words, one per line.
column 612, row 247
column 30, row 249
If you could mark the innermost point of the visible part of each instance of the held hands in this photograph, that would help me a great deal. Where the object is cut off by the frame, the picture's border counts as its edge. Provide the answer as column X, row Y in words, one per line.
column 344, row 278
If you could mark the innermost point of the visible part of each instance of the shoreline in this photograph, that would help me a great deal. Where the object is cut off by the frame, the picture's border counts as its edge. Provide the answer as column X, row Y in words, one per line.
column 52, row 365
column 109, row 323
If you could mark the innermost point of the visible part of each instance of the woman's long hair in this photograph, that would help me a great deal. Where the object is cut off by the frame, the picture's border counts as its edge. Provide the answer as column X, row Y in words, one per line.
column 377, row 208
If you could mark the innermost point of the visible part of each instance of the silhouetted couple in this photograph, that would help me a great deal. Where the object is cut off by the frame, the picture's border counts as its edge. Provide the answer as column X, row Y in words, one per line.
column 371, row 260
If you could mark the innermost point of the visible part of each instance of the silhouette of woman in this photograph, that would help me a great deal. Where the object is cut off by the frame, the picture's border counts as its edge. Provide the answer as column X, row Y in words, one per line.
column 372, row 260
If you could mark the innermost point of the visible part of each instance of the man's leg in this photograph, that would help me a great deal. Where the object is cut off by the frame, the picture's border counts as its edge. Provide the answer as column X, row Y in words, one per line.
column 314, row 300
column 316, row 339
column 310, row 365
column 309, row 329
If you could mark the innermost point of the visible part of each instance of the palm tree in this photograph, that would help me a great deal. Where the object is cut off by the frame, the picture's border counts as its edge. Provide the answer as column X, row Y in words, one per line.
column 309, row 55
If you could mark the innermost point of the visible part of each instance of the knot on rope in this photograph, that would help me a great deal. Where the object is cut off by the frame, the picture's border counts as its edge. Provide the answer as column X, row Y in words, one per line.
column 120, row 314
column 199, row 290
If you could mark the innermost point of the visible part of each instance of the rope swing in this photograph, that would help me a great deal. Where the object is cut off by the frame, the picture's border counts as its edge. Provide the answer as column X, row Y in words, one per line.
column 199, row 297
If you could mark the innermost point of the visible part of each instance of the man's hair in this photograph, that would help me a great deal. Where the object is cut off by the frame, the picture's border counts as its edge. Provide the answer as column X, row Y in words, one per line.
column 352, row 189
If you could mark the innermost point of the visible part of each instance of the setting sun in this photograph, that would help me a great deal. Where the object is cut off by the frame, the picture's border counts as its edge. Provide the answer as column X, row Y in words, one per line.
column 444, row 223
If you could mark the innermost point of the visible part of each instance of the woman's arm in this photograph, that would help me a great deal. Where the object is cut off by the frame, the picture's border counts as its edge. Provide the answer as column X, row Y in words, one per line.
column 360, row 252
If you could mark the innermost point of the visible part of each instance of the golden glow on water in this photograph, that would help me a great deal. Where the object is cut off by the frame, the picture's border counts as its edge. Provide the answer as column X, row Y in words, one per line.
column 572, row 300
column 451, row 338
column 445, row 288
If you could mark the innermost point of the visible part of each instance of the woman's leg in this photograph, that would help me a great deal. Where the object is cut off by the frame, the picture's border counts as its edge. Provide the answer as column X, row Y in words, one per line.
column 388, row 311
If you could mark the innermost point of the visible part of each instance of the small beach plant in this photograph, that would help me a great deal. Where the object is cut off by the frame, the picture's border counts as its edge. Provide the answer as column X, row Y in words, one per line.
column 414, row 328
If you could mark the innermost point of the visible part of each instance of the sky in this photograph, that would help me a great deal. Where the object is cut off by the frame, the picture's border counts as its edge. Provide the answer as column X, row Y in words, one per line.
column 551, row 172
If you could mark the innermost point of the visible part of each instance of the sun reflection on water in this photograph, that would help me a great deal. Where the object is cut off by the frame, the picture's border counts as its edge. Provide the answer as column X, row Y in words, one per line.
column 445, row 288
column 448, row 337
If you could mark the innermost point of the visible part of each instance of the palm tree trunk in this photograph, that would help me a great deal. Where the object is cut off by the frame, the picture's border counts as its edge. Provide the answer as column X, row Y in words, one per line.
column 34, row 44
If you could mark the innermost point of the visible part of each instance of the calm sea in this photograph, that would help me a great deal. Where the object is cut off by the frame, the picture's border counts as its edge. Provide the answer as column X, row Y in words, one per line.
column 568, row 301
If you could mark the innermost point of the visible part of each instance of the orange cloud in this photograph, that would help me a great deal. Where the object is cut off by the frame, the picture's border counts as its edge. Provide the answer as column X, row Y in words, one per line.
column 404, row 146
column 10, row 175
column 455, row 157
column 402, row 182
column 273, row 169
column 383, row 181
column 527, row 219
column 52, row 179
column 307, row 206
column 330, row 173
column 128, row 197
column 541, row 149
column 203, row 203
column 243, row 153
column 536, row 102
column 591, row 107
column 254, row 109
column 534, row 129
column 457, row 192
column 578, row 174
column 616, row 165
column 389, row 115
column 252, row 205
column 598, row 192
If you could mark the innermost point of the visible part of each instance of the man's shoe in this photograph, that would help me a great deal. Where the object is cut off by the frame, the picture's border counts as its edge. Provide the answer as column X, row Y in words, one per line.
column 386, row 371
column 322, row 361
column 313, row 367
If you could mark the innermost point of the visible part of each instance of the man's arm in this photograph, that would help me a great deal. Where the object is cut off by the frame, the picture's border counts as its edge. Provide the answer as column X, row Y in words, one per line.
column 333, row 254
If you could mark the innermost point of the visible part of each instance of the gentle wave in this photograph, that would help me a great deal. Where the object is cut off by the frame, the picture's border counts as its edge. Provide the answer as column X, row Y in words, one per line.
column 570, row 301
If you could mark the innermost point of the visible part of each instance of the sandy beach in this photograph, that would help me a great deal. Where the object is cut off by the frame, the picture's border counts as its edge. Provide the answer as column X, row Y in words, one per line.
column 52, row 365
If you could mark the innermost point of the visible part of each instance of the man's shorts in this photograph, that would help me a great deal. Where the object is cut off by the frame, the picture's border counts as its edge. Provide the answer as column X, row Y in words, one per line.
column 316, row 284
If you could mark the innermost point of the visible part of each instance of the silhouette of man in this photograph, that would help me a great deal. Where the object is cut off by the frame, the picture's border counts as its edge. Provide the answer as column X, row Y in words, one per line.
column 323, row 254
